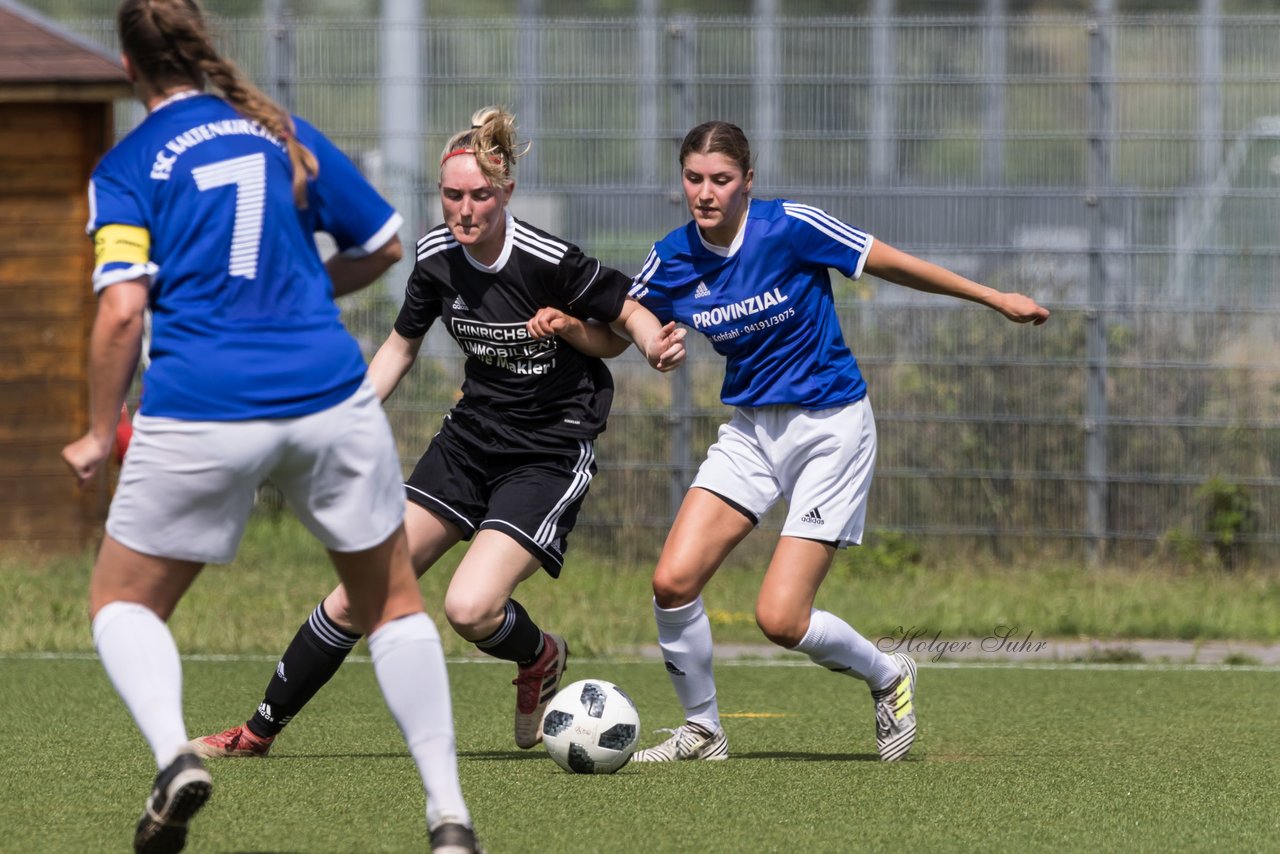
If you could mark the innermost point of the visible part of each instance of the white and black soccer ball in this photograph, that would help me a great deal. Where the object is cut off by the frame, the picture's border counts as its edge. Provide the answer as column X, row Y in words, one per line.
column 591, row 727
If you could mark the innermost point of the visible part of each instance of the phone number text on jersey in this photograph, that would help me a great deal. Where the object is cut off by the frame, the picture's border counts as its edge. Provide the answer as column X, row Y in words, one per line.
column 769, row 321
column 730, row 334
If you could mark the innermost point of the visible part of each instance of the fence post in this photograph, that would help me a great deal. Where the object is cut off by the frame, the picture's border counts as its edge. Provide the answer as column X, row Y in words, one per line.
column 279, row 51
column 765, row 91
column 995, row 47
column 400, row 123
column 1210, row 85
column 1098, row 200
column 1211, row 111
column 647, row 117
column 680, row 418
column 882, row 164
column 530, row 64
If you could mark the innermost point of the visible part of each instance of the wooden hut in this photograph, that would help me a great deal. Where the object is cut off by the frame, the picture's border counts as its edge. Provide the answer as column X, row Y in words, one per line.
column 56, row 95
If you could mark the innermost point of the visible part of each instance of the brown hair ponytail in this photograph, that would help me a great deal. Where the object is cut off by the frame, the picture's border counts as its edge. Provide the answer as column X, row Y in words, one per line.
column 169, row 45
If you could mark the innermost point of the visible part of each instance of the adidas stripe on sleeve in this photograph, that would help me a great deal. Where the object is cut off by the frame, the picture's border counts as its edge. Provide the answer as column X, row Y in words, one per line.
column 543, row 247
column 646, row 289
column 827, row 241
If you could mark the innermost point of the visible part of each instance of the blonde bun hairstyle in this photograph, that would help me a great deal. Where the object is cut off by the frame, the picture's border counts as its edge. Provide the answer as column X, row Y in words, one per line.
column 492, row 139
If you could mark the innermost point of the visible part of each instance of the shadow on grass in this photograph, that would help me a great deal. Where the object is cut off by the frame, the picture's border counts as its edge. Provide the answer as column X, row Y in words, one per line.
column 807, row 757
column 509, row 755
column 281, row 757
column 483, row 755
column 489, row 755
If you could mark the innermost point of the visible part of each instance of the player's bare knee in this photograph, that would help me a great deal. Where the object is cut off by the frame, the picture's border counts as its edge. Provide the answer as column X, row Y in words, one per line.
column 781, row 628
column 670, row 591
column 469, row 615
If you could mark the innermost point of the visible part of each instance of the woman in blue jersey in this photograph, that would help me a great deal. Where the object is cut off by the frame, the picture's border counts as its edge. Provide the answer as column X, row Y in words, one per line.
column 205, row 214
column 753, row 277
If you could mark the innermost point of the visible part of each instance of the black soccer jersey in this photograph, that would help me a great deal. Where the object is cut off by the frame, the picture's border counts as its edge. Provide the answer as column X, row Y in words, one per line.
column 510, row 376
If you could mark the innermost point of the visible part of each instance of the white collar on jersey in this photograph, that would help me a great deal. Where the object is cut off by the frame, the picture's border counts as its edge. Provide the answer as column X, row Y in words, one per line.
column 732, row 249
column 180, row 95
column 507, row 242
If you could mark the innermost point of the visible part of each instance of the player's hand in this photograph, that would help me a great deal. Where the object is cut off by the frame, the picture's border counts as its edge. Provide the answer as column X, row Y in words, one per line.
column 1022, row 309
column 84, row 456
column 549, row 321
column 665, row 350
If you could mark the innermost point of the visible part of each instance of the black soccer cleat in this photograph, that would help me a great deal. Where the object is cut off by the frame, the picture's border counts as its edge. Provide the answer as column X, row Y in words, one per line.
column 178, row 794
column 454, row 838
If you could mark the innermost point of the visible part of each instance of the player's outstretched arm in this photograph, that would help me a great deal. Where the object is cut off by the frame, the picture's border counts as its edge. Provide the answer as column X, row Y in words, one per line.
column 901, row 268
column 392, row 361
column 351, row 273
column 662, row 345
column 114, row 348
column 591, row 339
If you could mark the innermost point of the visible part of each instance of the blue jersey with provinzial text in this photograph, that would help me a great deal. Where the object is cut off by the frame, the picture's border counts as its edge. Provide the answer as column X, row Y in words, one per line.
column 200, row 200
column 765, row 303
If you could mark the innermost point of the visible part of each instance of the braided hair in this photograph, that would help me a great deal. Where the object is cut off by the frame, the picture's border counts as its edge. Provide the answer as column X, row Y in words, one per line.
column 168, row 44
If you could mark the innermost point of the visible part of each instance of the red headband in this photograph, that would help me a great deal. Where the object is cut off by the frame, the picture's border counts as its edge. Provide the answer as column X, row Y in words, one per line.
column 457, row 151
column 497, row 158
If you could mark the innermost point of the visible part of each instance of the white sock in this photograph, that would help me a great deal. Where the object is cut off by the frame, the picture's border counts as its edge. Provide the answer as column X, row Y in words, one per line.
column 409, row 662
column 142, row 663
column 837, row 646
column 684, row 634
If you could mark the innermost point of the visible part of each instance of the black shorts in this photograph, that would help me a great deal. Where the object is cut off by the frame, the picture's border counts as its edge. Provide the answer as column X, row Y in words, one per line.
column 478, row 473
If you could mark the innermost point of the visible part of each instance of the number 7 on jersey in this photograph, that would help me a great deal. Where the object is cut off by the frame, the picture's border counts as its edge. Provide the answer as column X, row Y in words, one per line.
column 249, row 176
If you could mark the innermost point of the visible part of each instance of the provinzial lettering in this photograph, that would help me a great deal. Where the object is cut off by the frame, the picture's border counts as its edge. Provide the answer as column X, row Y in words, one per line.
column 743, row 308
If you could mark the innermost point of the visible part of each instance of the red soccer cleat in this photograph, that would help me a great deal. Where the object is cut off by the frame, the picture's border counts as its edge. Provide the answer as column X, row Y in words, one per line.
column 535, row 686
column 237, row 741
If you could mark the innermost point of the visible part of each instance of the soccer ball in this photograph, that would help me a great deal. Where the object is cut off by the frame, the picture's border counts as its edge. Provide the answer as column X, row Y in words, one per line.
column 591, row 727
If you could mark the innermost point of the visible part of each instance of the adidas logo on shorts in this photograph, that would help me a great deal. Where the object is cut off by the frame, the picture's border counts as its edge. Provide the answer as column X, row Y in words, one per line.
column 701, row 291
column 459, row 305
column 813, row 517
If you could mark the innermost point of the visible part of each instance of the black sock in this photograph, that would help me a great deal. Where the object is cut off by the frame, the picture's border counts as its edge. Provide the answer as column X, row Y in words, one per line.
column 314, row 655
column 518, row 639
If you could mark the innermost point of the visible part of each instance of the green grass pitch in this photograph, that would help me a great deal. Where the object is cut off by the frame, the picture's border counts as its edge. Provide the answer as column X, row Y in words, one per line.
column 1016, row 759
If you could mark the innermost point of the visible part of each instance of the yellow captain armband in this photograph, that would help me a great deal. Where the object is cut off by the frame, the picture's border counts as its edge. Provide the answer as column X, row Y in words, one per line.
column 121, row 244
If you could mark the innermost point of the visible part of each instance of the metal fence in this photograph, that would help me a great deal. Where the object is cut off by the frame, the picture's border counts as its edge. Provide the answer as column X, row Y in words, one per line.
column 1122, row 170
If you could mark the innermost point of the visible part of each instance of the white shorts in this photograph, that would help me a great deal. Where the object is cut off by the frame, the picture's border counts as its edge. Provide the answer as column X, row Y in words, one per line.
column 820, row 460
column 187, row 487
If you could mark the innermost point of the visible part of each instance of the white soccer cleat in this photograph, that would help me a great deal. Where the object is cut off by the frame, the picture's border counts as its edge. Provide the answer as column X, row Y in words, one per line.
column 896, row 712
column 689, row 741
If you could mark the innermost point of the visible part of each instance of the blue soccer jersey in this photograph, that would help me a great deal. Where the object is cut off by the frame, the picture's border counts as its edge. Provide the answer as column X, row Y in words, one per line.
column 765, row 303
column 244, row 325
